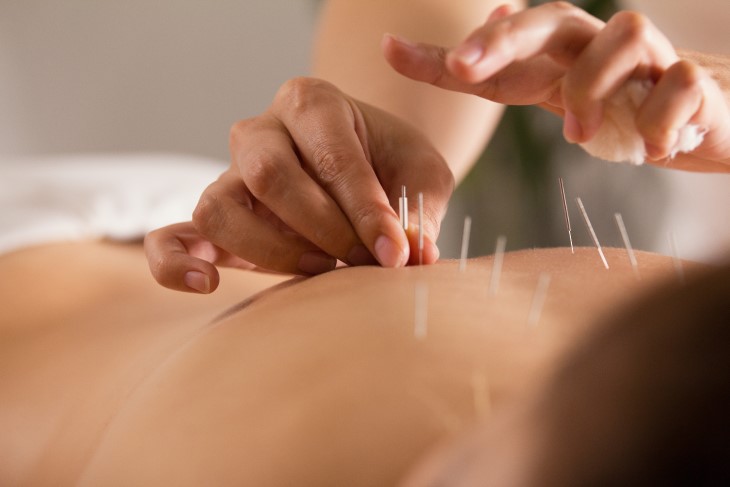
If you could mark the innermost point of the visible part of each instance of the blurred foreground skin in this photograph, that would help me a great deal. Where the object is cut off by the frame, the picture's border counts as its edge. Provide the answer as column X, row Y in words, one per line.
column 642, row 400
column 109, row 379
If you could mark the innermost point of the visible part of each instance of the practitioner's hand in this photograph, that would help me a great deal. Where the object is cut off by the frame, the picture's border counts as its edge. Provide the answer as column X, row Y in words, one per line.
column 180, row 258
column 313, row 180
column 561, row 58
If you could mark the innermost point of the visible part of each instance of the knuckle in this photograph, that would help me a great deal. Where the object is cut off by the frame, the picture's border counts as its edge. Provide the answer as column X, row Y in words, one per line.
column 363, row 215
column 441, row 178
column 299, row 94
column 562, row 7
column 437, row 77
column 207, row 213
column 238, row 132
column 686, row 74
column 490, row 89
column 446, row 183
column 565, row 10
column 237, row 129
column 151, row 238
column 330, row 163
column 244, row 131
column 632, row 26
column 261, row 174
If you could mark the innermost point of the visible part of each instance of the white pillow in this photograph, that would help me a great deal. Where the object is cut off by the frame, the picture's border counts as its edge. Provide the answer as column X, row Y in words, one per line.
column 115, row 196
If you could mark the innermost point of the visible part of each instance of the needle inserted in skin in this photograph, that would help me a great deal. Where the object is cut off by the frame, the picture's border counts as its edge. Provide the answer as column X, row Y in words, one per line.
column 403, row 208
column 567, row 216
column 592, row 232
column 421, row 311
column 675, row 257
column 627, row 243
column 538, row 299
column 480, row 388
column 420, row 228
column 465, row 243
column 497, row 265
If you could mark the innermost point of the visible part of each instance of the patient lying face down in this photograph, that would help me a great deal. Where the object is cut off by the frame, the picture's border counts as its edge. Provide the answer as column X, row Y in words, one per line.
column 643, row 399
column 320, row 381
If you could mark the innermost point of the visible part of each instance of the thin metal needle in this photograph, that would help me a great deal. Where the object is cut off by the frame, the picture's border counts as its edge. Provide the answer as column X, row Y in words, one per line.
column 480, row 389
column 421, row 311
column 592, row 232
column 627, row 243
column 403, row 208
column 420, row 228
column 675, row 257
column 497, row 265
column 465, row 243
column 538, row 299
column 567, row 216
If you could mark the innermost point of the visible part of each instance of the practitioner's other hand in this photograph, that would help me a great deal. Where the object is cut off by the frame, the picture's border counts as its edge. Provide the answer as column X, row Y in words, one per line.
column 313, row 180
column 561, row 58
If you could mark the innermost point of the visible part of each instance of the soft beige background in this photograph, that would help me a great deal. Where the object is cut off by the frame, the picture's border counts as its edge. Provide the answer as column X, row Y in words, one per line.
column 141, row 75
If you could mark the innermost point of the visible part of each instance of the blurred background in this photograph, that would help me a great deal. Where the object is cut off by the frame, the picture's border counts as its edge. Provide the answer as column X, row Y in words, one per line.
column 168, row 75
column 90, row 79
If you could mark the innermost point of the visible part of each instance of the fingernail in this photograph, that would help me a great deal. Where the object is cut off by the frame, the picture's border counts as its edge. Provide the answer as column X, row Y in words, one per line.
column 653, row 152
column 360, row 255
column 571, row 128
column 389, row 253
column 197, row 281
column 469, row 53
column 316, row 262
column 402, row 40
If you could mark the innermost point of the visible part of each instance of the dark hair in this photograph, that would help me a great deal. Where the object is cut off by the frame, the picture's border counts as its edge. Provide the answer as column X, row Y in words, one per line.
column 645, row 400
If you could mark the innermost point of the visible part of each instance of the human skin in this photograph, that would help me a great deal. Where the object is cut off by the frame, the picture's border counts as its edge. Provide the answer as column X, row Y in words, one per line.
column 561, row 58
column 317, row 175
column 81, row 325
column 318, row 382
column 555, row 56
column 347, row 53
column 637, row 401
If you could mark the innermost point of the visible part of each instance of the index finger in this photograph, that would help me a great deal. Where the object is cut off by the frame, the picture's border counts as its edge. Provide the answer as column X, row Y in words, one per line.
column 558, row 29
column 331, row 136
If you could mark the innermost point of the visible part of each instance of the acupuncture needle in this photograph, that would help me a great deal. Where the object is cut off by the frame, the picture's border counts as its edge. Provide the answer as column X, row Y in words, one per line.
column 421, row 311
column 420, row 228
column 592, row 232
column 480, row 390
column 403, row 208
column 465, row 243
column 627, row 243
column 497, row 265
column 538, row 299
column 675, row 257
column 565, row 213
